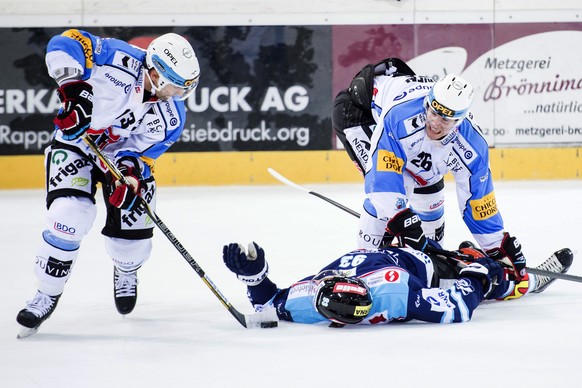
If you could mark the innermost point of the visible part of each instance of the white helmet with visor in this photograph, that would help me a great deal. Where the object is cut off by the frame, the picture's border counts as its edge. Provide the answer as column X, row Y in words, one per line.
column 175, row 61
column 450, row 98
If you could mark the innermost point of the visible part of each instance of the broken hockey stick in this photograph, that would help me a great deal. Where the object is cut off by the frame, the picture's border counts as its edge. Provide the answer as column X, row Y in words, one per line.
column 264, row 319
column 442, row 252
column 286, row 181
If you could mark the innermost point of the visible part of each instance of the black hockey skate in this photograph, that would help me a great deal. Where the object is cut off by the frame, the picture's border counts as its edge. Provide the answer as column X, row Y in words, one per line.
column 559, row 262
column 125, row 290
column 35, row 313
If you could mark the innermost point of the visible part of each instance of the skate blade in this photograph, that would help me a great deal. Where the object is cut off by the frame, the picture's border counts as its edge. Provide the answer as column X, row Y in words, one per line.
column 26, row 332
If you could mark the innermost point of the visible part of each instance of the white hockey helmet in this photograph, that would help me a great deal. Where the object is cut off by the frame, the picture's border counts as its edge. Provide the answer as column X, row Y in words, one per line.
column 450, row 97
column 174, row 59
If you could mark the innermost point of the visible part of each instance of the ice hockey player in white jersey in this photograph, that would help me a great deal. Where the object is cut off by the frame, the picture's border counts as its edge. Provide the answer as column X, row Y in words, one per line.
column 370, row 286
column 405, row 132
column 130, row 102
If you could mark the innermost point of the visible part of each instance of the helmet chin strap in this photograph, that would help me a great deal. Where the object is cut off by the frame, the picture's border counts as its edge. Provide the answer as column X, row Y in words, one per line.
column 152, row 85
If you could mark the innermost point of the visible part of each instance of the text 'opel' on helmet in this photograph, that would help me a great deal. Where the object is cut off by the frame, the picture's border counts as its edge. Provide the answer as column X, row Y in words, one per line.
column 174, row 59
column 450, row 97
column 344, row 300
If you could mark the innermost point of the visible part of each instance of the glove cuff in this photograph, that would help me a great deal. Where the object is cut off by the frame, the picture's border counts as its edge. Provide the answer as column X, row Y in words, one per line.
column 253, row 280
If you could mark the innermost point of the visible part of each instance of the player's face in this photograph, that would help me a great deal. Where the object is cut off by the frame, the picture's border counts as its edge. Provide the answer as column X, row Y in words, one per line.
column 169, row 91
column 166, row 89
column 437, row 126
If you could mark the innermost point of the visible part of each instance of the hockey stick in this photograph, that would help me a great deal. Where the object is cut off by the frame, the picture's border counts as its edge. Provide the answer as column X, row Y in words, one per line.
column 535, row 271
column 430, row 249
column 267, row 318
column 286, row 181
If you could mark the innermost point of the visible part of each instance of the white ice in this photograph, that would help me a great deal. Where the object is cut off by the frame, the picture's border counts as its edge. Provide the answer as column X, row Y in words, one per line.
column 181, row 335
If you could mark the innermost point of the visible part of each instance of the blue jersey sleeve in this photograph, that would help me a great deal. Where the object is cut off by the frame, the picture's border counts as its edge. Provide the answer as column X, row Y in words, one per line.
column 455, row 304
column 475, row 186
column 90, row 50
column 384, row 180
column 80, row 45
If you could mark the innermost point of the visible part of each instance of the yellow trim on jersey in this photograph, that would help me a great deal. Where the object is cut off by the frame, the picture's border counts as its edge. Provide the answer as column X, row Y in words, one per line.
column 85, row 42
column 149, row 161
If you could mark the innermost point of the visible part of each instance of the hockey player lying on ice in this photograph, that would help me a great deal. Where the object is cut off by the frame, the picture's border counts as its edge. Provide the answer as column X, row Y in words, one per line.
column 390, row 284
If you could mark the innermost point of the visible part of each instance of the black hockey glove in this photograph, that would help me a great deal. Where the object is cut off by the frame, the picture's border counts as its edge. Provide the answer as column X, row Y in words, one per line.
column 510, row 248
column 487, row 270
column 74, row 118
column 251, row 269
column 121, row 195
column 406, row 227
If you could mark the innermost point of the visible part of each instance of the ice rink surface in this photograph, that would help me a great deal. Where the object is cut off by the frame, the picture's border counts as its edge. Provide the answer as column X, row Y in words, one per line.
column 181, row 335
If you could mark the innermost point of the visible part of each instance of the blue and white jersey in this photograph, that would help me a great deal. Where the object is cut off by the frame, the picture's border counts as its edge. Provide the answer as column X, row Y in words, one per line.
column 128, row 125
column 403, row 157
column 399, row 280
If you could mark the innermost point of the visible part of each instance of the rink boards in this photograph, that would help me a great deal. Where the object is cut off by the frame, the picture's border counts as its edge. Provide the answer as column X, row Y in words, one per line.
column 247, row 168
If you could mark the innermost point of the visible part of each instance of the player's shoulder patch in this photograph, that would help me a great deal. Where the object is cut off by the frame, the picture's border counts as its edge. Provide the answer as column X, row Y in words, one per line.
column 414, row 123
column 126, row 62
column 121, row 55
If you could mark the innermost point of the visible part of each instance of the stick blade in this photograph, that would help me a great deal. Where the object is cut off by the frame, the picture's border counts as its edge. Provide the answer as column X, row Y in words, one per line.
column 285, row 181
column 265, row 319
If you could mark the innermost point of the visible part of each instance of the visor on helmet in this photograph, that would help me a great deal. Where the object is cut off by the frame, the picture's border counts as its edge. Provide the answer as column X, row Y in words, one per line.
column 169, row 76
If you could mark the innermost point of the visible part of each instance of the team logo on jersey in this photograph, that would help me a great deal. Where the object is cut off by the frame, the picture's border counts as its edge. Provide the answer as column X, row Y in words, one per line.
column 485, row 207
column 389, row 162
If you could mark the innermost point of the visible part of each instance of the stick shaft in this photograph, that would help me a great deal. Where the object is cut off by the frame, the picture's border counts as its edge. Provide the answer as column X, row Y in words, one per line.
column 168, row 233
